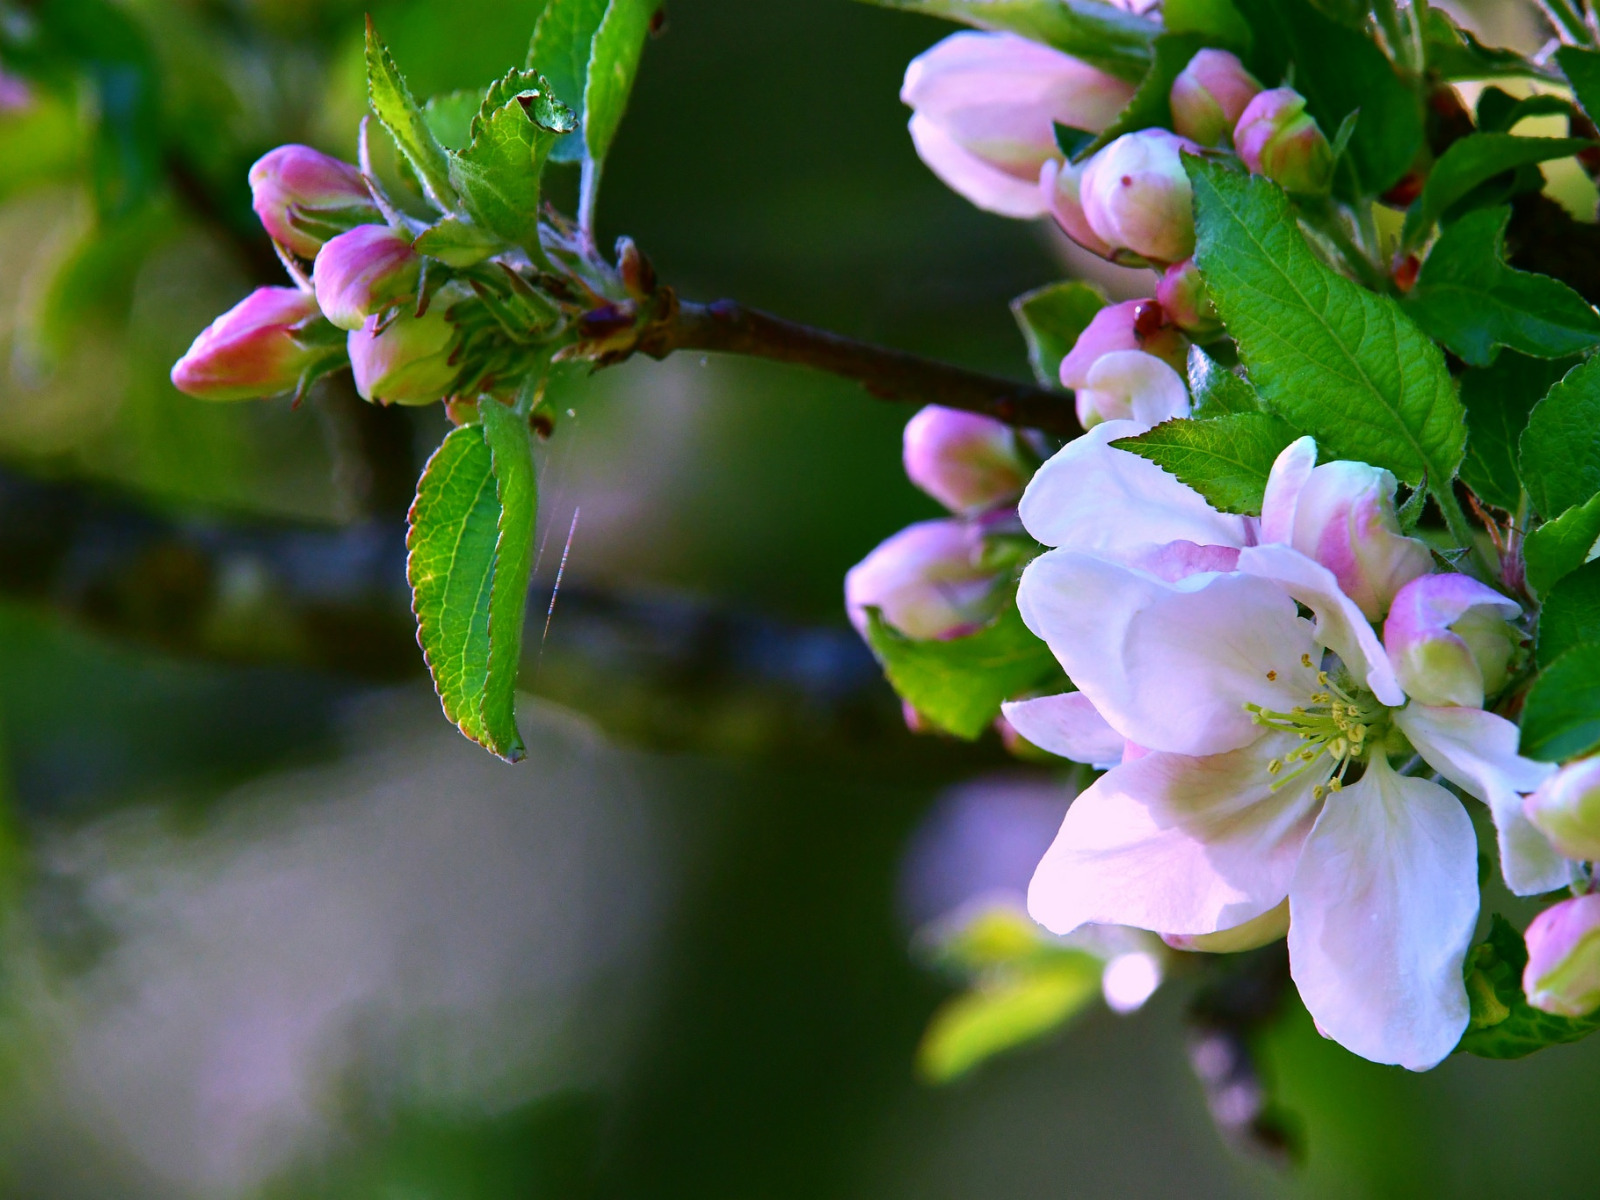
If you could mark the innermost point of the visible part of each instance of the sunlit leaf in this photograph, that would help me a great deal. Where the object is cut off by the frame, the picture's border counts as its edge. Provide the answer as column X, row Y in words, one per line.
column 1226, row 459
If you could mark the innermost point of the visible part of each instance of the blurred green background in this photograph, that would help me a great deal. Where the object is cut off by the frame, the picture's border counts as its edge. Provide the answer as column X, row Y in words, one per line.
column 276, row 930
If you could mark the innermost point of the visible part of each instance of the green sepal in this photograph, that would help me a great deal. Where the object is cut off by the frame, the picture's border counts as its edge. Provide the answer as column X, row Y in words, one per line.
column 399, row 113
column 1502, row 1023
column 1051, row 319
column 457, row 242
column 1226, row 459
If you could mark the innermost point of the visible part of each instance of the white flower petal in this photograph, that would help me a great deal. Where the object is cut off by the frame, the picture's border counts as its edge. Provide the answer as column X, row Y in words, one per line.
column 1170, row 666
column 1068, row 725
column 968, row 175
column 1289, row 475
column 1477, row 751
column 1177, row 844
column 1341, row 626
column 1381, row 913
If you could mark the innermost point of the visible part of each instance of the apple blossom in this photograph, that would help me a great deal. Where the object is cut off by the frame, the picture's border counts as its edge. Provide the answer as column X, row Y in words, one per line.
column 1122, row 366
column 1210, row 95
column 251, row 350
column 985, row 110
column 1183, row 297
column 298, row 177
column 1277, row 138
column 364, row 271
column 929, row 581
column 1136, row 197
column 1566, row 809
column 1061, row 195
column 965, row 461
column 408, row 362
column 1449, row 639
column 1563, row 971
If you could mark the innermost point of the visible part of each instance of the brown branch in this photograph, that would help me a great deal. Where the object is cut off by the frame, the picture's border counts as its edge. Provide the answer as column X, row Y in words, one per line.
column 728, row 327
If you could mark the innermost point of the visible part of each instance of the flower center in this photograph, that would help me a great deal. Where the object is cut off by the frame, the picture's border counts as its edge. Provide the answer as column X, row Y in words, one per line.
column 1339, row 724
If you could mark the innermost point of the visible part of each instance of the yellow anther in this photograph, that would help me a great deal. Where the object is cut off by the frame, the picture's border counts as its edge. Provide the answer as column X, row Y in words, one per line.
column 1338, row 747
column 1297, row 711
column 1318, row 792
column 1336, row 785
column 1272, row 677
column 1305, row 660
column 1358, row 734
column 1275, row 766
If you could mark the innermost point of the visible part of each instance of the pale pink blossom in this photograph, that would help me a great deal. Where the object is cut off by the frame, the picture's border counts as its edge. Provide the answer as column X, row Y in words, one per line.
column 1563, row 971
column 1137, row 200
column 929, row 581
column 251, row 350
column 965, row 461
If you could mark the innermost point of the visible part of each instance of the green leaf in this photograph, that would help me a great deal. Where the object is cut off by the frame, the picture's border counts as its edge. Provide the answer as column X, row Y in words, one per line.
column 1454, row 53
column 1335, row 360
column 562, row 42
column 1339, row 70
column 1561, row 716
column 1504, row 1024
column 1226, row 459
column 1051, row 319
column 497, row 175
column 1150, row 105
column 959, row 684
column 1560, row 454
column 1571, row 614
column 1216, row 390
column 1004, row 1013
column 468, row 553
column 1472, row 161
column 1104, row 36
column 1582, row 69
column 1499, row 111
column 1498, row 400
column 1561, row 546
column 394, row 106
column 1216, row 18
column 1467, row 298
column 618, row 43
column 457, row 242
column 450, row 117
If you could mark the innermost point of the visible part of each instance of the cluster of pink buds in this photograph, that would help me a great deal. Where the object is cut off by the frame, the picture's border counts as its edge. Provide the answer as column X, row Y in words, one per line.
column 364, row 280
column 1126, row 366
column 1563, row 971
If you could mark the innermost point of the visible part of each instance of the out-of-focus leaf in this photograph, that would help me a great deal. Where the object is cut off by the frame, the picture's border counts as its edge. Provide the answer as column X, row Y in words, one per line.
column 397, row 109
column 497, row 175
column 959, row 684
column 1467, row 298
column 450, row 117
column 1150, row 105
column 1051, row 319
column 562, row 42
column 1216, row 18
column 1335, row 360
column 1455, row 53
column 1582, row 69
column 1503, row 1023
column 1499, row 111
column 43, row 143
column 1472, row 161
column 1498, row 400
column 1217, row 391
column 1570, row 615
column 618, row 45
column 1561, row 717
column 1563, row 545
column 1560, row 454
column 1225, row 459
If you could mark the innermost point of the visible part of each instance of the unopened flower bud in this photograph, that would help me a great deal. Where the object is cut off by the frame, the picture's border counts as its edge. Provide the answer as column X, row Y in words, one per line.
column 1277, row 138
column 1258, row 931
column 638, row 273
column 1183, row 297
column 986, row 106
column 298, row 177
column 1563, row 971
column 1210, row 95
column 1060, row 189
column 1566, row 809
column 407, row 363
column 251, row 350
column 1342, row 515
column 1136, row 197
column 965, row 461
column 928, row 580
column 1130, row 385
column 1449, row 639
column 360, row 273
column 1131, row 325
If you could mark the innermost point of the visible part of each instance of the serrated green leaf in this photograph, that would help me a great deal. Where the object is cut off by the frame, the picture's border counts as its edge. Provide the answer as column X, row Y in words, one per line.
column 1570, row 615
column 959, row 684
column 1499, row 111
column 1099, row 34
column 1504, row 1024
column 1455, row 53
column 1472, row 161
column 1051, row 319
column 1467, row 298
column 457, row 242
column 1582, row 69
column 1334, row 359
column 1217, row 18
column 1006, row 1012
column 1226, row 459
column 1217, row 391
column 511, row 449
column 450, row 117
column 1498, row 400
column 562, row 42
column 497, row 175
column 1559, row 452
column 1561, row 716
column 1150, row 105
column 1563, row 545
column 395, row 107
column 614, row 62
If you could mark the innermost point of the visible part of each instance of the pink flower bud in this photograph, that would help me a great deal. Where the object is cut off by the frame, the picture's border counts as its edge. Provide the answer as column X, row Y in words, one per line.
column 986, row 106
column 928, row 580
column 360, row 273
column 1183, row 296
column 965, row 461
column 1210, row 95
column 1060, row 189
column 1566, row 809
column 1277, row 138
column 1130, row 385
column 1136, row 197
column 1449, row 641
column 249, row 350
column 1131, row 325
column 409, row 362
column 1258, row 931
column 300, row 177
column 1342, row 515
column 1563, row 971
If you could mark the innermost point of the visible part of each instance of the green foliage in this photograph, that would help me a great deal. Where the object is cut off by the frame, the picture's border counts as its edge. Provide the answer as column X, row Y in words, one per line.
column 457, row 242
column 399, row 113
column 1051, row 319
column 1340, row 70
column 1218, row 19
column 1217, row 391
column 1503, row 1023
column 1150, row 104
column 1560, row 454
column 1344, row 365
column 1561, row 546
column 1499, row 111
column 470, row 537
column 618, row 43
column 1453, row 184
column 562, row 42
column 1115, row 41
column 497, row 175
column 1571, row 613
column 450, row 117
column 1455, row 53
column 1467, row 298
column 1226, row 459
column 1498, row 400
column 1582, row 69
column 1561, row 717
column 960, row 683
